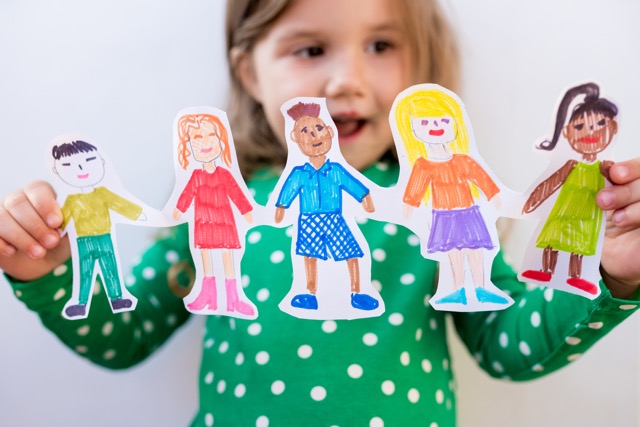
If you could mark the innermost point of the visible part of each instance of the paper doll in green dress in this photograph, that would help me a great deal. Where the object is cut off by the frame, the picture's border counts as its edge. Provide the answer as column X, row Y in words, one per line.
column 574, row 224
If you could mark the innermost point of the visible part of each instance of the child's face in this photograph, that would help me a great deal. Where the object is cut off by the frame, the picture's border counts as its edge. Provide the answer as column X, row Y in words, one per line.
column 312, row 135
column 205, row 142
column 81, row 169
column 590, row 133
column 434, row 130
column 355, row 54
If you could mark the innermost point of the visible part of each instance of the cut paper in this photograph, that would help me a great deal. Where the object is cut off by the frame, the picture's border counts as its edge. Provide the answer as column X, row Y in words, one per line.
column 565, row 252
column 211, row 195
column 448, row 186
column 93, row 201
column 320, row 195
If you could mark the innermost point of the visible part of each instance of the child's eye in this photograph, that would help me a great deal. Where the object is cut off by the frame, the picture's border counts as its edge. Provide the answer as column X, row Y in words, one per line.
column 310, row 51
column 379, row 46
column 578, row 126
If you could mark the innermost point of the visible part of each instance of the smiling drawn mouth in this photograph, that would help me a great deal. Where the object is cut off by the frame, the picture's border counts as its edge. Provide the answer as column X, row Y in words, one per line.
column 317, row 144
column 438, row 132
column 206, row 150
column 588, row 140
column 83, row 176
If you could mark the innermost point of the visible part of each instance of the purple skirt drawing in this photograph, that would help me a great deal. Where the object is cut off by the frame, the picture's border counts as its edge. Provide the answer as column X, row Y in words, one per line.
column 458, row 229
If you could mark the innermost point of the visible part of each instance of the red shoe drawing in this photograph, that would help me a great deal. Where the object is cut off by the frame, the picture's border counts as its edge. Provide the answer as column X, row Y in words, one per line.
column 537, row 275
column 580, row 283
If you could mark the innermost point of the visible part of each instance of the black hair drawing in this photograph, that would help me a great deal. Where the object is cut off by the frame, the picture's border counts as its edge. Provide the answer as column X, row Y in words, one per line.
column 70, row 148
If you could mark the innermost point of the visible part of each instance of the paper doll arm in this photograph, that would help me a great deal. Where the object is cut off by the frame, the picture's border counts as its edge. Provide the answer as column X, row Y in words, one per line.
column 290, row 189
column 481, row 178
column 542, row 332
column 547, row 187
column 235, row 193
column 417, row 185
column 119, row 204
column 350, row 184
column 605, row 167
column 122, row 340
column 187, row 195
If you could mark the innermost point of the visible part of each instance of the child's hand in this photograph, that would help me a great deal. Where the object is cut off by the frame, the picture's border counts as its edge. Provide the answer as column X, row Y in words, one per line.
column 622, row 235
column 30, row 244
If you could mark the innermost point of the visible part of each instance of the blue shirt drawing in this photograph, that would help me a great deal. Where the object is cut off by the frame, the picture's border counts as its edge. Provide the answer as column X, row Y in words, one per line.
column 320, row 190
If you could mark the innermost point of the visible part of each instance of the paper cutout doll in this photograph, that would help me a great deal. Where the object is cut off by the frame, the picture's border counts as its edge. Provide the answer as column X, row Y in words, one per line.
column 574, row 225
column 87, row 209
column 213, row 192
column 447, row 177
column 318, row 180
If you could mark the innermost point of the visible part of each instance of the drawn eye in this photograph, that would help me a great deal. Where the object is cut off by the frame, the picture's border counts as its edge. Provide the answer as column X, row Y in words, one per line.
column 446, row 121
column 424, row 122
column 602, row 122
column 66, row 164
column 197, row 136
column 319, row 127
column 579, row 127
column 90, row 159
column 303, row 130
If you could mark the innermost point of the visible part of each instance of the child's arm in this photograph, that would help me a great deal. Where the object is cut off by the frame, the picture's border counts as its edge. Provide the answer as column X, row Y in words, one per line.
column 30, row 245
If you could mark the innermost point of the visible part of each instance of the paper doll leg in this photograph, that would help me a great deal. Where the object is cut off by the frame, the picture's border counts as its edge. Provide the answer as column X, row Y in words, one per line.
column 234, row 303
column 208, row 295
column 458, row 296
column 109, row 267
column 476, row 263
column 549, row 262
column 86, row 264
column 308, row 301
column 575, row 271
column 358, row 300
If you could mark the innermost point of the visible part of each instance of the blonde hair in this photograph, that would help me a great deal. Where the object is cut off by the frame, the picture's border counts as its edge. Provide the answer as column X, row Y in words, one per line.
column 435, row 54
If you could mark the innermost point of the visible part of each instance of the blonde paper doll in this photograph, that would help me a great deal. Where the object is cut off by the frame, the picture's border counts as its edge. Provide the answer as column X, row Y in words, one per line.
column 212, row 190
column 431, row 124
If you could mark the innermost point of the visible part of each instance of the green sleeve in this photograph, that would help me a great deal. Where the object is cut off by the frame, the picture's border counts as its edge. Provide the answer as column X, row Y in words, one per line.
column 544, row 330
column 120, row 340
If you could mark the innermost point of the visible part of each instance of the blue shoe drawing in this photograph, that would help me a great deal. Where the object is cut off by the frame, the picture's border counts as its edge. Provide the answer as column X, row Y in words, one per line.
column 364, row 302
column 456, row 297
column 306, row 301
column 484, row 295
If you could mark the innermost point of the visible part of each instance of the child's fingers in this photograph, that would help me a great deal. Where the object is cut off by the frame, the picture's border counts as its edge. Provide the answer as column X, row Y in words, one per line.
column 629, row 216
column 13, row 234
column 43, row 199
column 619, row 196
column 625, row 172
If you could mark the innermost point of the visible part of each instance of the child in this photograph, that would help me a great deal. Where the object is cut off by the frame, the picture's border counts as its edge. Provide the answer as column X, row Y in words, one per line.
column 279, row 370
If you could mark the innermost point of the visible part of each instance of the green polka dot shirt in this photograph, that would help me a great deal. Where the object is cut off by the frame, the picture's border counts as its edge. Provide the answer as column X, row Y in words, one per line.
column 277, row 370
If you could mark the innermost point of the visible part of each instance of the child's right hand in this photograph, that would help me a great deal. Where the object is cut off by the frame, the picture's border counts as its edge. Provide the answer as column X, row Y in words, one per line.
column 30, row 244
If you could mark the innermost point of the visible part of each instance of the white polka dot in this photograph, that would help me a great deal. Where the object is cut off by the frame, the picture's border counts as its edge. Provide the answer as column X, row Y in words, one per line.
column 81, row 349
column 254, row 237
column 125, row 316
column 289, row 231
column 277, row 257
column 388, row 387
column 413, row 395
column 427, row 298
column 263, row 295
column 107, row 329
column 208, row 420
column 361, row 221
column 478, row 357
column 535, row 319
column 433, row 424
column 433, row 324
column 83, row 330
column 318, row 393
column 537, row 368
column 109, row 354
column 240, row 390
column 245, row 280
column 96, row 288
column 305, row 351
column 573, row 340
column 277, row 387
column 574, row 357
column 370, row 339
column 171, row 256
column 497, row 366
column 222, row 386
column 490, row 318
column 262, row 358
column 522, row 302
column 445, row 364
column 405, row 359
column 239, row 359
column 154, row 301
column 524, row 348
column 548, row 294
column 376, row 422
column 148, row 326
column 596, row 325
column 439, row 396
column 60, row 270
column 354, row 371
column 252, row 191
column 224, row 346
column 18, row 293
column 149, row 273
column 376, row 285
column 382, row 166
column 262, row 421
column 329, row 326
column 172, row 319
column 413, row 240
column 396, row 319
column 418, row 334
column 254, row 329
column 59, row 295
column 390, row 229
column 407, row 279
column 627, row 306
column 504, row 340
column 426, row 366
column 129, row 280
column 209, row 343
column 379, row 255
column 208, row 379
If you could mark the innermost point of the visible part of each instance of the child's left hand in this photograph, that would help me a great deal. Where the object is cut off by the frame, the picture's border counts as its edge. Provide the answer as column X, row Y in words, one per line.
column 621, row 247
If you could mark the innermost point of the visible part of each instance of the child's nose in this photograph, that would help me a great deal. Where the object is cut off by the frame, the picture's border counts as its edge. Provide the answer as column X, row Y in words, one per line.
column 346, row 75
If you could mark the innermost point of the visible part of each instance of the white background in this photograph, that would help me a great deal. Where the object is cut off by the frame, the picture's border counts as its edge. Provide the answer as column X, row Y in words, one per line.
column 120, row 70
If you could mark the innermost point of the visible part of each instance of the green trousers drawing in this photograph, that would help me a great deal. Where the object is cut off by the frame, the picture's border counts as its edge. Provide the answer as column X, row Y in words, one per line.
column 98, row 248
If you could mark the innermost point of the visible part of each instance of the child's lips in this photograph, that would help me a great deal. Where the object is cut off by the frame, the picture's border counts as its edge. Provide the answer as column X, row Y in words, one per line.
column 348, row 128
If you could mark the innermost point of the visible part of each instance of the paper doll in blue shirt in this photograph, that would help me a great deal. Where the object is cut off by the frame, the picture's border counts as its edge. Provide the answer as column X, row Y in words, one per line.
column 319, row 183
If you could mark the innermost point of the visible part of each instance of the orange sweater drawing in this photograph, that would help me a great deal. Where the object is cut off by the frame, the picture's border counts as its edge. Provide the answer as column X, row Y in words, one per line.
column 449, row 181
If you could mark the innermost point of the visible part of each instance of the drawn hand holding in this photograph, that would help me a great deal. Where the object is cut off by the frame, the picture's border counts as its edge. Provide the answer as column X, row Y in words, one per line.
column 279, row 214
column 367, row 204
column 30, row 243
column 496, row 202
column 142, row 217
column 176, row 214
column 619, row 266
column 248, row 217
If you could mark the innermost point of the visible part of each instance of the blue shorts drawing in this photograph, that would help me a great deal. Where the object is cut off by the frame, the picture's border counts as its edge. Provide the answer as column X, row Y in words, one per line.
column 322, row 231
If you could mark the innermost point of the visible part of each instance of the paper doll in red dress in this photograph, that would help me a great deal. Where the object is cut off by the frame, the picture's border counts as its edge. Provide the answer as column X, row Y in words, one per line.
column 213, row 195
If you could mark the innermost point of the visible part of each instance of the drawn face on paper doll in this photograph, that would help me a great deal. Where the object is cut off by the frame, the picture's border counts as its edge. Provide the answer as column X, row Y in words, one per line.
column 78, row 164
column 312, row 135
column 434, row 130
column 205, row 142
column 590, row 132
